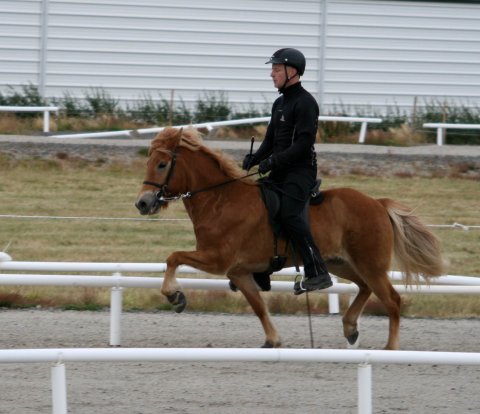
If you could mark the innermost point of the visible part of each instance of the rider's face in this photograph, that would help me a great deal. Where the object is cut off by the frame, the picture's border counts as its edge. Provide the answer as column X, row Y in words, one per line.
column 279, row 75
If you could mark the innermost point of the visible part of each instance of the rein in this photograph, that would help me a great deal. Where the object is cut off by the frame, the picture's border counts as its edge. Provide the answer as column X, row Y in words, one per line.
column 162, row 194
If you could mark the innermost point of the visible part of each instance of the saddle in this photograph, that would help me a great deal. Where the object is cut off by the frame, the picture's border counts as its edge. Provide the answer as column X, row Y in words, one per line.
column 271, row 197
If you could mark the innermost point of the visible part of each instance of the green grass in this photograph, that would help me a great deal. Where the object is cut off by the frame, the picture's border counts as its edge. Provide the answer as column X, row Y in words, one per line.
column 79, row 189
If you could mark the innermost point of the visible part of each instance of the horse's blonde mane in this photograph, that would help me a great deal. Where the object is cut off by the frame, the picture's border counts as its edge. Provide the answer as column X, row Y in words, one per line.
column 168, row 139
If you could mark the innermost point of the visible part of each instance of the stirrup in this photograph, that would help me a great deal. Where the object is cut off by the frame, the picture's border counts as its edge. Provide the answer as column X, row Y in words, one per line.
column 298, row 287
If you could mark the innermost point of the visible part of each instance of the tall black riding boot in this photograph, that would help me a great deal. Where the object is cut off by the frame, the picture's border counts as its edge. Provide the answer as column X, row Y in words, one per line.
column 315, row 270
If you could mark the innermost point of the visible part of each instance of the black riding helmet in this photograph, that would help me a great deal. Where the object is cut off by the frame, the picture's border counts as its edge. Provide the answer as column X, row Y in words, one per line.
column 289, row 57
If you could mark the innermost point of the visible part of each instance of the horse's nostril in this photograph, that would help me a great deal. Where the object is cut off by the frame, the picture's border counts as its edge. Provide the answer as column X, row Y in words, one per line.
column 141, row 206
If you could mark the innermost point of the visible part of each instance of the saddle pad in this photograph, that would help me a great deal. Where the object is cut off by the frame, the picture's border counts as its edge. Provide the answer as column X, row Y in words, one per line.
column 271, row 198
column 272, row 202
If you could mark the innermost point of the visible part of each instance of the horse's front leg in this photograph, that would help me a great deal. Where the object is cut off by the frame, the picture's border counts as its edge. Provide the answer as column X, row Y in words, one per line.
column 208, row 262
column 249, row 289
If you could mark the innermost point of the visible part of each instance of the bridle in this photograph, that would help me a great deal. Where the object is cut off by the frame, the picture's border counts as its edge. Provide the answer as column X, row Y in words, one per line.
column 163, row 196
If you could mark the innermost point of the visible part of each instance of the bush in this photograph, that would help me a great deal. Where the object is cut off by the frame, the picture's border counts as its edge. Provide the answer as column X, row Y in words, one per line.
column 102, row 103
column 212, row 108
column 149, row 111
column 98, row 110
column 29, row 95
column 252, row 112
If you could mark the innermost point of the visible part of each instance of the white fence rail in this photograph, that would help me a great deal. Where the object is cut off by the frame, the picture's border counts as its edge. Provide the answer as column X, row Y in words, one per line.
column 211, row 125
column 442, row 127
column 117, row 282
column 364, row 359
column 464, row 284
column 45, row 109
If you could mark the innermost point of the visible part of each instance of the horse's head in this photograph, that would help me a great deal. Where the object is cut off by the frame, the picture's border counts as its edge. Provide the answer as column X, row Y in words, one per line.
column 157, row 189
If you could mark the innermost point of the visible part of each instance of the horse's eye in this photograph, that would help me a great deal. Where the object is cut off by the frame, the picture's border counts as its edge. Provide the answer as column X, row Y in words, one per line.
column 161, row 165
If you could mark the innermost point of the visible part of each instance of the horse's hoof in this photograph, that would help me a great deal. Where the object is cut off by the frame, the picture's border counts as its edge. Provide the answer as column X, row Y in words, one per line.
column 232, row 286
column 178, row 300
column 270, row 344
column 353, row 340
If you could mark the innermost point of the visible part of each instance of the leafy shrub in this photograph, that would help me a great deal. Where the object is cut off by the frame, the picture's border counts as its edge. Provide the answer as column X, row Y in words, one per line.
column 102, row 103
column 212, row 108
column 98, row 110
column 28, row 95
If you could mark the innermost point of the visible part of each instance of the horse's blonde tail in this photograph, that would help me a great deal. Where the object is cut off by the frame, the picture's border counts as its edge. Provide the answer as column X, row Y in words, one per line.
column 416, row 249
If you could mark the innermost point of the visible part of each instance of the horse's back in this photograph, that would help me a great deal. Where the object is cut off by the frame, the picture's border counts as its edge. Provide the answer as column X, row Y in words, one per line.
column 348, row 204
column 350, row 221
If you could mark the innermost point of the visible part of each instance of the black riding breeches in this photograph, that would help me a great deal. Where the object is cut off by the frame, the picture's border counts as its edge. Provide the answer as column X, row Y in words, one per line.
column 295, row 192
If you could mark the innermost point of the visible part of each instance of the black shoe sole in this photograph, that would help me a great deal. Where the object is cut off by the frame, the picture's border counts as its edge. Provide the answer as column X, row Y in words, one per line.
column 298, row 289
column 324, row 284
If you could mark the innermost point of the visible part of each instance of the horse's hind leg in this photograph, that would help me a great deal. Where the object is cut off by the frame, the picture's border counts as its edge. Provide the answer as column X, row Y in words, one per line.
column 383, row 289
column 390, row 298
column 249, row 289
column 350, row 318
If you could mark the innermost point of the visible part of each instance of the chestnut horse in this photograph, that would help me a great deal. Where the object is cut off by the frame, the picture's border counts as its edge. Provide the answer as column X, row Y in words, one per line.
column 358, row 236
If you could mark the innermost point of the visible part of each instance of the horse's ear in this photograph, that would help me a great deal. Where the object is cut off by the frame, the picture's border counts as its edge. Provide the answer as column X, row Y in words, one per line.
column 178, row 136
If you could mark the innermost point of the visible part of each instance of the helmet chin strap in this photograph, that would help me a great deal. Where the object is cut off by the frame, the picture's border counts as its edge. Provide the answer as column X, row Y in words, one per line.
column 287, row 79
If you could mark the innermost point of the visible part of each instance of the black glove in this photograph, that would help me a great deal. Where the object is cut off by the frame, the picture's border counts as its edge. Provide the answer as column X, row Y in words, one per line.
column 248, row 162
column 266, row 165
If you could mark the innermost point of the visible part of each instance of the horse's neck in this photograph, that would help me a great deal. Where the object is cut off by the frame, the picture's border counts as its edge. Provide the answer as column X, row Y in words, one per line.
column 199, row 176
column 207, row 207
column 204, row 180
column 204, row 204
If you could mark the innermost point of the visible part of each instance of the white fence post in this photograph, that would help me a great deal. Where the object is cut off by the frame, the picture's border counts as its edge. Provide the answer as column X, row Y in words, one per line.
column 59, row 389
column 116, row 298
column 364, row 389
column 333, row 300
column 439, row 136
column 363, row 133
column 46, row 122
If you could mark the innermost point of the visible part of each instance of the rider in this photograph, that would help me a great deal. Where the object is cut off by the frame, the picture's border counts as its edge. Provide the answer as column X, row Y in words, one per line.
column 288, row 152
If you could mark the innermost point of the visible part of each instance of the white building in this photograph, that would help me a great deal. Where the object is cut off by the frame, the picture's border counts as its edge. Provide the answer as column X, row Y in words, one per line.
column 360, row 53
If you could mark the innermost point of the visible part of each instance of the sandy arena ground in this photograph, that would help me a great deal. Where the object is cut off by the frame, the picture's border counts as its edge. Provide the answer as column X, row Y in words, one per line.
column 240, row 388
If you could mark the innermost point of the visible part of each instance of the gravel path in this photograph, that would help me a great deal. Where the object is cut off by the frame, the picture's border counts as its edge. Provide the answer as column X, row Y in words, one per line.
column 240, row 388
column 333, row 159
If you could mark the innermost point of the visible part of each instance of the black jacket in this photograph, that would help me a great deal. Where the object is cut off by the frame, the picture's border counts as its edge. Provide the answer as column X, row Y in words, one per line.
column 291, row 132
